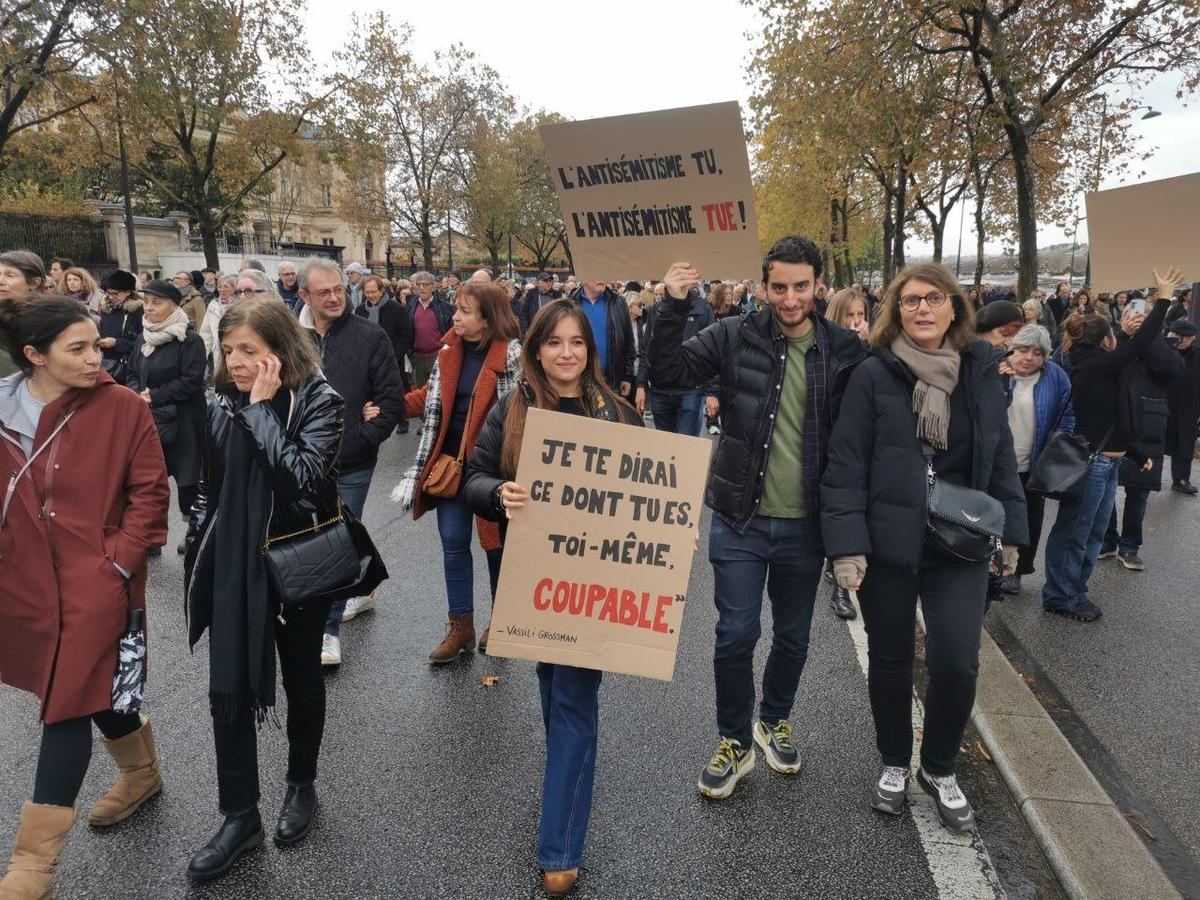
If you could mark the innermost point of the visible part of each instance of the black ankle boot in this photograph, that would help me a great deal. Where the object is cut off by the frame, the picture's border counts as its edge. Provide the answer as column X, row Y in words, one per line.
column 296, row 817
column 237, row 835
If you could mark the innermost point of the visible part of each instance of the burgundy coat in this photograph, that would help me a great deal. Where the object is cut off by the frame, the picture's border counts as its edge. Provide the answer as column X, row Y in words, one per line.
column 63, row 603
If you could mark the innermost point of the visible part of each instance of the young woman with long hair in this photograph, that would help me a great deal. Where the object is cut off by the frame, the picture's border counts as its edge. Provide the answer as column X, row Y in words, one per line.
column 87, row 500
column 560, row 371
column 478, row 364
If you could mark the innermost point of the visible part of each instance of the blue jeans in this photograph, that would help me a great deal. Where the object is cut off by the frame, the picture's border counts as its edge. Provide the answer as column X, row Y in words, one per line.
column 1129, row 538
column 678, row 413
column 571, row 715
column 352, row 488
column 781, row 554
column 455, row 525
column 1075, row 539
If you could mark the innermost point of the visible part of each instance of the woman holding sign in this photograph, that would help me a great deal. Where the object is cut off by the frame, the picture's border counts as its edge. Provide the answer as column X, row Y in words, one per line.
column 560, row 372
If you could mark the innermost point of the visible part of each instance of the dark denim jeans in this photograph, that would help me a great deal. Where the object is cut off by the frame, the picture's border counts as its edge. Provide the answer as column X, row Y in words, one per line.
column 1074, row 541
column 679, row 414
column 353, row 488
column 1129, row 538
column 1035, row 513
column 571, row 715
column 456, row 524
column 1181, row 468
column 780, row 554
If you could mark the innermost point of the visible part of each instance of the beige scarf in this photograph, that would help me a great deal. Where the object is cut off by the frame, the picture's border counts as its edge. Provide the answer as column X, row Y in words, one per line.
column 936, row 372
column 173, row 328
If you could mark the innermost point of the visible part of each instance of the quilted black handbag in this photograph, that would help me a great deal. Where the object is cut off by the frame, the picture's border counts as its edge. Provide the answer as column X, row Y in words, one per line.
column 332, row 560
column 962, row 522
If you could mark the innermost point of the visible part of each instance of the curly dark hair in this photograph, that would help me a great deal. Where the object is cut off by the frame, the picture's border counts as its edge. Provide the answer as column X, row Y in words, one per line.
column 792, row 249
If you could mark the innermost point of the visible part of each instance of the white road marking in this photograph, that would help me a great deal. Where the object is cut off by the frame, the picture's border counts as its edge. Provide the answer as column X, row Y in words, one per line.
column 960, row 865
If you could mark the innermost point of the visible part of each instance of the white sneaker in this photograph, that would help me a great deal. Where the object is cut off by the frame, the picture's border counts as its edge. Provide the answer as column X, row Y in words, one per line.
column 356, row 605
column 331, row 650
column 953, row 808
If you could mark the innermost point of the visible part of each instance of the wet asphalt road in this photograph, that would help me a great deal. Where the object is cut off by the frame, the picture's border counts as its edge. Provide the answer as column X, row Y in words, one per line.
column 430, row 782
column 1128, row 686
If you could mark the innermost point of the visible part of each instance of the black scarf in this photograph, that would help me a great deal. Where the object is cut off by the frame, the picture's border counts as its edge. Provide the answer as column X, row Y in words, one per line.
column 241, row 668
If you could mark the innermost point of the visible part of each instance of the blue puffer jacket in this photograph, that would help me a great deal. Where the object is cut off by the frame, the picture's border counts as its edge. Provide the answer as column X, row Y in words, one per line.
column 1051, row 397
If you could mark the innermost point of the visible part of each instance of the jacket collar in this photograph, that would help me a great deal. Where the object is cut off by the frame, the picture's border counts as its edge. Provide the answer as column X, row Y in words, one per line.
column 306, row 319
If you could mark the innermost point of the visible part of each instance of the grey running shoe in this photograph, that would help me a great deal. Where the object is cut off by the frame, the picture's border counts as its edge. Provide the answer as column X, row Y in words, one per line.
column 1131, row 561
column 725, row 769
column 775, row 741
column 953, row 808
column 891, row 793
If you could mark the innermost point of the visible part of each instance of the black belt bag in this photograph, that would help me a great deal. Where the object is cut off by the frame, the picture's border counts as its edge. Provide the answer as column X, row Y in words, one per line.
column 962, row 523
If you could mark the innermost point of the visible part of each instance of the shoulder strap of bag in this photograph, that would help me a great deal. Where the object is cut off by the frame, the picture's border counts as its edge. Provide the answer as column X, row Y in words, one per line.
column 462, row 444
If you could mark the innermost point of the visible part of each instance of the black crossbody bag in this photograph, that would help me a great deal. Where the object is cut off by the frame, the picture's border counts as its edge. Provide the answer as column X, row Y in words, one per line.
column 1061, row 470
column 962, row 523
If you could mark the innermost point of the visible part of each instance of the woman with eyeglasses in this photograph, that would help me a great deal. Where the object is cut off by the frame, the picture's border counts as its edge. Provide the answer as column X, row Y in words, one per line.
column 217, row 307
column 930, row 387
column 120, row 322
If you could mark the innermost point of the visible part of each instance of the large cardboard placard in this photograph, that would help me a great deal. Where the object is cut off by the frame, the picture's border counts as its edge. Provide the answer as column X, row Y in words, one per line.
column 596, row 564
column 640, row 192
column 1134, row 229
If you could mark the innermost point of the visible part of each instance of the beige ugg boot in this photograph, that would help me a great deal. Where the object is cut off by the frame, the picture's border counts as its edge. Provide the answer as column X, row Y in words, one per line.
column 40, row 839
column 139, row 777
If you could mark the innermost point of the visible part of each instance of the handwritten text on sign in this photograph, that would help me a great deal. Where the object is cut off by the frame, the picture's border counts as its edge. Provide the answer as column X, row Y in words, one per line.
column 642, row 191
column 596, row 565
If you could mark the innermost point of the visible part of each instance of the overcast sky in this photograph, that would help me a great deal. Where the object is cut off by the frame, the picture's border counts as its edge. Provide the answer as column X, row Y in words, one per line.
column 623, row 56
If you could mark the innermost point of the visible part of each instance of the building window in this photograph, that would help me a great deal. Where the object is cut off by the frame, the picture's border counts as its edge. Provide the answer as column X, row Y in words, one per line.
column 328, row 242
column 326, row 195
column 370, row 246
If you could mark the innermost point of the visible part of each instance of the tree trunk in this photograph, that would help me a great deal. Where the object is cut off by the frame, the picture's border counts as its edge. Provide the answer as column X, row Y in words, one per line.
column 849, row 264
column 939, row 231
column 834, row 249
column 901, row 216
column 208, row 236
column 567, row 250
column 427, row 247
column 979, row 261
column 888, row 228
column 494, row 257
column 1027, row 262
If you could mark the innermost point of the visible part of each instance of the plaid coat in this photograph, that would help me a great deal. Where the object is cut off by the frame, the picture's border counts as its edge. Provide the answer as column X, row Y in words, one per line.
column 434, row 403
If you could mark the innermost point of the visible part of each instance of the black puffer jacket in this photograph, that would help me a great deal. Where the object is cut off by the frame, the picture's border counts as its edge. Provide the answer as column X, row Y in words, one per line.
column 747, row 356
column 1150, row 382
column 874, row 497
column 698, row 318
column 300, row 457
column 357, row 359
column 482, row 477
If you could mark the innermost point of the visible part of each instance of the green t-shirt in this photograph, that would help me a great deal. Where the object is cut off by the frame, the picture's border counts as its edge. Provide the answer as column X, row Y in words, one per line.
column 783, row 484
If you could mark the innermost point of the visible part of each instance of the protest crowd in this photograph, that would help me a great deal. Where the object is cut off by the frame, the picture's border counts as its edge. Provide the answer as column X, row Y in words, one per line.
column 845, row 424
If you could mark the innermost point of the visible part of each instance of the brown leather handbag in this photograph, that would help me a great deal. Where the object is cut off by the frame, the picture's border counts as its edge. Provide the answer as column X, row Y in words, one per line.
column 445, row 475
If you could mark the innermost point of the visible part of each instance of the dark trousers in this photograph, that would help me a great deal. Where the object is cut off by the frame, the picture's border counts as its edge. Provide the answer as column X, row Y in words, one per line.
column 66, row 752
column 678, row 413
column 1181, row 468
column 299, row 645
column 422, row 367
column 187, row 496
column 1035, row 511
column 353, row 488
column 1129, row 538
column 952, row 598
column 780, row 555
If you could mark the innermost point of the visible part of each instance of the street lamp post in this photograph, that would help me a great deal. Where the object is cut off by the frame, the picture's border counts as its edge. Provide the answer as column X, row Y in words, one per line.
column 130, row 234
column 449, row 243
column 962, row 215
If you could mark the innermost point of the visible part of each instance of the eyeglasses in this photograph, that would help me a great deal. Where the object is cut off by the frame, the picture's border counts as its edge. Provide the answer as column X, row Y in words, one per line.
column 248, row 292
column 933, row 298
column 329, row 293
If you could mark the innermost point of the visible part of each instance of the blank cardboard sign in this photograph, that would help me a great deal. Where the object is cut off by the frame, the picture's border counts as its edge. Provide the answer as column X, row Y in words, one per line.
column 596, row 564
column 1134, row 229
column 642, row 191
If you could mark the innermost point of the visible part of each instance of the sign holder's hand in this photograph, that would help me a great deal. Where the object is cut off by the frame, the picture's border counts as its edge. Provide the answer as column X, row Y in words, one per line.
column 1166, row 283
column 681, row 278
column 512, row 497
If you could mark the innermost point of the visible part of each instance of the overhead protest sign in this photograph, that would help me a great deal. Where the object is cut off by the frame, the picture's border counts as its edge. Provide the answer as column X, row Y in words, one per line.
column 1134, row 229
column 642, row 191
column 596, row 563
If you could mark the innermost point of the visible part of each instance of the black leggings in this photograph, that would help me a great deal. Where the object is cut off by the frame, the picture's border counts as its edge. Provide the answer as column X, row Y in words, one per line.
column 67, row 749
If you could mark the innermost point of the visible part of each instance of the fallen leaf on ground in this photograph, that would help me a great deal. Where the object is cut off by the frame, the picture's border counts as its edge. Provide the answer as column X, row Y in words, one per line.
column 489, row 680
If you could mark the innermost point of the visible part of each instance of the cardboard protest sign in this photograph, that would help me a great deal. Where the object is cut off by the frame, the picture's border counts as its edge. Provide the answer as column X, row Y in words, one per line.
column 596, row 564
column 1134, row 229
column 640, row 192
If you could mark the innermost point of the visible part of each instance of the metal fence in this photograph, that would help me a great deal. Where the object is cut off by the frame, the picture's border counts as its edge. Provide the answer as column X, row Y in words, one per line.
column 233, row 242
column 78, row 238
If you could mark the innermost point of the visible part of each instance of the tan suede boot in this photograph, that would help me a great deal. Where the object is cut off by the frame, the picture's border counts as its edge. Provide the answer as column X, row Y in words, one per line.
column 40, row 839
column 560, row 883
column 139, row 777
column 460, row 638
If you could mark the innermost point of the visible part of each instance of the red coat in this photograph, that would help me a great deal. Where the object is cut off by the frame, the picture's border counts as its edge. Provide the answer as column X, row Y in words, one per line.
column 450, row 360
column 63, row 603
